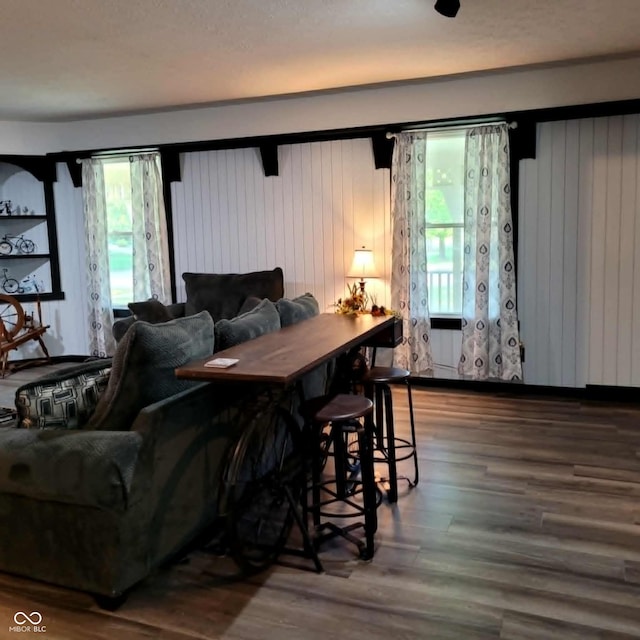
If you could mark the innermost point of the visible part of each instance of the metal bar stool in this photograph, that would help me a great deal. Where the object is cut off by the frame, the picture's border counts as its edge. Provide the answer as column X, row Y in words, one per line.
column 388, row 448
column 343, row 495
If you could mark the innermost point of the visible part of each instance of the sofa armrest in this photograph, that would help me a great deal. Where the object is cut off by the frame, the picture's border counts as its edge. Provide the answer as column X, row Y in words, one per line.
column 94, row 468
column 186, row 439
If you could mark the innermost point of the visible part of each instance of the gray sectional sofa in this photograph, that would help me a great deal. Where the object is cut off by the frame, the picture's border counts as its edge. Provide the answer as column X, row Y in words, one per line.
column 98, row 498
column 223, row 295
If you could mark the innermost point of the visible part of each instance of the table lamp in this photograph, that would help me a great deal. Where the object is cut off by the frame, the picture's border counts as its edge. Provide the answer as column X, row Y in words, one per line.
column 363, row 266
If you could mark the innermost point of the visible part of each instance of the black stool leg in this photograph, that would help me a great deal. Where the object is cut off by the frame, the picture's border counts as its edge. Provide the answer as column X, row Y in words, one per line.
column 379, row 426
column 413, row 434
column 339, row 459
column 392, row 494
column 365, row 438
column 316, row 472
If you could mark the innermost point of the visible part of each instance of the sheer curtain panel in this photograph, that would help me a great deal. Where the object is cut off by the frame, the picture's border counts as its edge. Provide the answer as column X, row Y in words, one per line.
column 409, row 252
column 150, row 244
column 490, row 338
column 101, row 341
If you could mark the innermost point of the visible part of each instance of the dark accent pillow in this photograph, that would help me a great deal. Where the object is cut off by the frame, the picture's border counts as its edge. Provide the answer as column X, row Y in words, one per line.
column 300, row 308
column 262, row 319
column 222, row 294
column 64, row 400
column 151, row 310
column 144, row 367
column 250, row 303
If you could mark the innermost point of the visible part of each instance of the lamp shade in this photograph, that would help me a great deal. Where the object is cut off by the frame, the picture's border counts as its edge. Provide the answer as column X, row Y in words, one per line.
column 363, row 265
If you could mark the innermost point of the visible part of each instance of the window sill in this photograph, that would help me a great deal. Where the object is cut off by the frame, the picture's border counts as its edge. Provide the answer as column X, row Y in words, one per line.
column 451, row 324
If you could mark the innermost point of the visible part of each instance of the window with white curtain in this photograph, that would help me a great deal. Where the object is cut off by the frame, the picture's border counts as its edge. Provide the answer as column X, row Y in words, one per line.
column 452, row 252
column 126, row 238
column 444, row 212
column 117, row 184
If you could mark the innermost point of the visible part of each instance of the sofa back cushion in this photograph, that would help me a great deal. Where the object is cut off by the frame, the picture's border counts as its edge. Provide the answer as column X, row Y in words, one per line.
column 262, row 319
column 222, row 294
column 144, row 364
column 298, row 309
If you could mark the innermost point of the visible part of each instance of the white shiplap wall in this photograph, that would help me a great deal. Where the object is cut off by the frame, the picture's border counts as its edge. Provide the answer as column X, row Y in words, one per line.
column 579, row 241
column 327, row 200
column 579, row 254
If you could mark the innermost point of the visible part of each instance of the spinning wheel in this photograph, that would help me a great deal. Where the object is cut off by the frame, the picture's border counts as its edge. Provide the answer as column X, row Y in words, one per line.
column 11, row 316
column 16, row 328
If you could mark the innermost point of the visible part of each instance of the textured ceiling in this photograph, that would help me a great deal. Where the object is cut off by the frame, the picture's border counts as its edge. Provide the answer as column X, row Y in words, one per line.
column 71, row 59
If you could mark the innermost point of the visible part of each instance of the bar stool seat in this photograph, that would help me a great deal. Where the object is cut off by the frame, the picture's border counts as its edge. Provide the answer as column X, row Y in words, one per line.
column 388, row 448
column 343, row 495
column 386, row 374
column 343, row 407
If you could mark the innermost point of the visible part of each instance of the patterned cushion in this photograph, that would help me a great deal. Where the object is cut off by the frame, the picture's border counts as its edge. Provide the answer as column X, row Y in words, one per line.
column 62, row 401
column 300, row 308
column 260, row 320
column 144, row 367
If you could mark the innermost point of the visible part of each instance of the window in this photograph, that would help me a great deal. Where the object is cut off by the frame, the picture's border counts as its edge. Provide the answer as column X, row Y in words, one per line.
column 445, row 221
column 117, row 185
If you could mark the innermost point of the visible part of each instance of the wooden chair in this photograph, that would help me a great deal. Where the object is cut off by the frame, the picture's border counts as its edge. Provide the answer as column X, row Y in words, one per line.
column 17, row 328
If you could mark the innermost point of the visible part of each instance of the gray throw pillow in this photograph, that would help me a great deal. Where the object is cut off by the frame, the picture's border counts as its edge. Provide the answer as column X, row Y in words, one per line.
column 262, row 319
column 151, row 310
column 144, row 364
column 300, row 308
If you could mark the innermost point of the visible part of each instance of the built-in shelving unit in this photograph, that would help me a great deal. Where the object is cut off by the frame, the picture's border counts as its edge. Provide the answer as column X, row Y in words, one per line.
column 29, row 265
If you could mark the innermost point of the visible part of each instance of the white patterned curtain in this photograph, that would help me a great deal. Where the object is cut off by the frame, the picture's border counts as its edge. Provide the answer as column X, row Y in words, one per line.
column 101, row 341
column 409, row 252
column 151, row 277
column 490, row 339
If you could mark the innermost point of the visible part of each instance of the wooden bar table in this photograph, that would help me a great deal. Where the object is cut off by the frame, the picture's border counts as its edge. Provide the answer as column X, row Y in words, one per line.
column 281, row 357
column 265, row 477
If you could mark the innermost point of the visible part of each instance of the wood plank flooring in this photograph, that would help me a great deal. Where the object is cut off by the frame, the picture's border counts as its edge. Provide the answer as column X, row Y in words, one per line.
column 525, row 526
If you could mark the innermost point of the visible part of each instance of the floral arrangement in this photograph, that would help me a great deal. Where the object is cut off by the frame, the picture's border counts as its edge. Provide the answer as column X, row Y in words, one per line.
column 354, row 304
column 357, row 302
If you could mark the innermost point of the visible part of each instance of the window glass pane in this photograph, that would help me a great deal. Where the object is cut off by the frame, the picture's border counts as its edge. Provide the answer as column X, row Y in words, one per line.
column 117, row 178
column 445, row 217
column 444, row 269
column 445, row 177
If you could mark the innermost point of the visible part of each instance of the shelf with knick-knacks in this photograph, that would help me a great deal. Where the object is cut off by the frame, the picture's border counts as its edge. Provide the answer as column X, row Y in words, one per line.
column 29, row 267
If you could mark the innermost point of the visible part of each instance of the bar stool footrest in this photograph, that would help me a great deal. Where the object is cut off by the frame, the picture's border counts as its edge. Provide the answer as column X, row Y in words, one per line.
column 344, row 532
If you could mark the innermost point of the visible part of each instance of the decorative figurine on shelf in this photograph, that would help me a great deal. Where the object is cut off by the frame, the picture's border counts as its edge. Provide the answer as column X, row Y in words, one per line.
column 19, row 243
column 9, row 285
column 31, row 284
column 6, row 207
